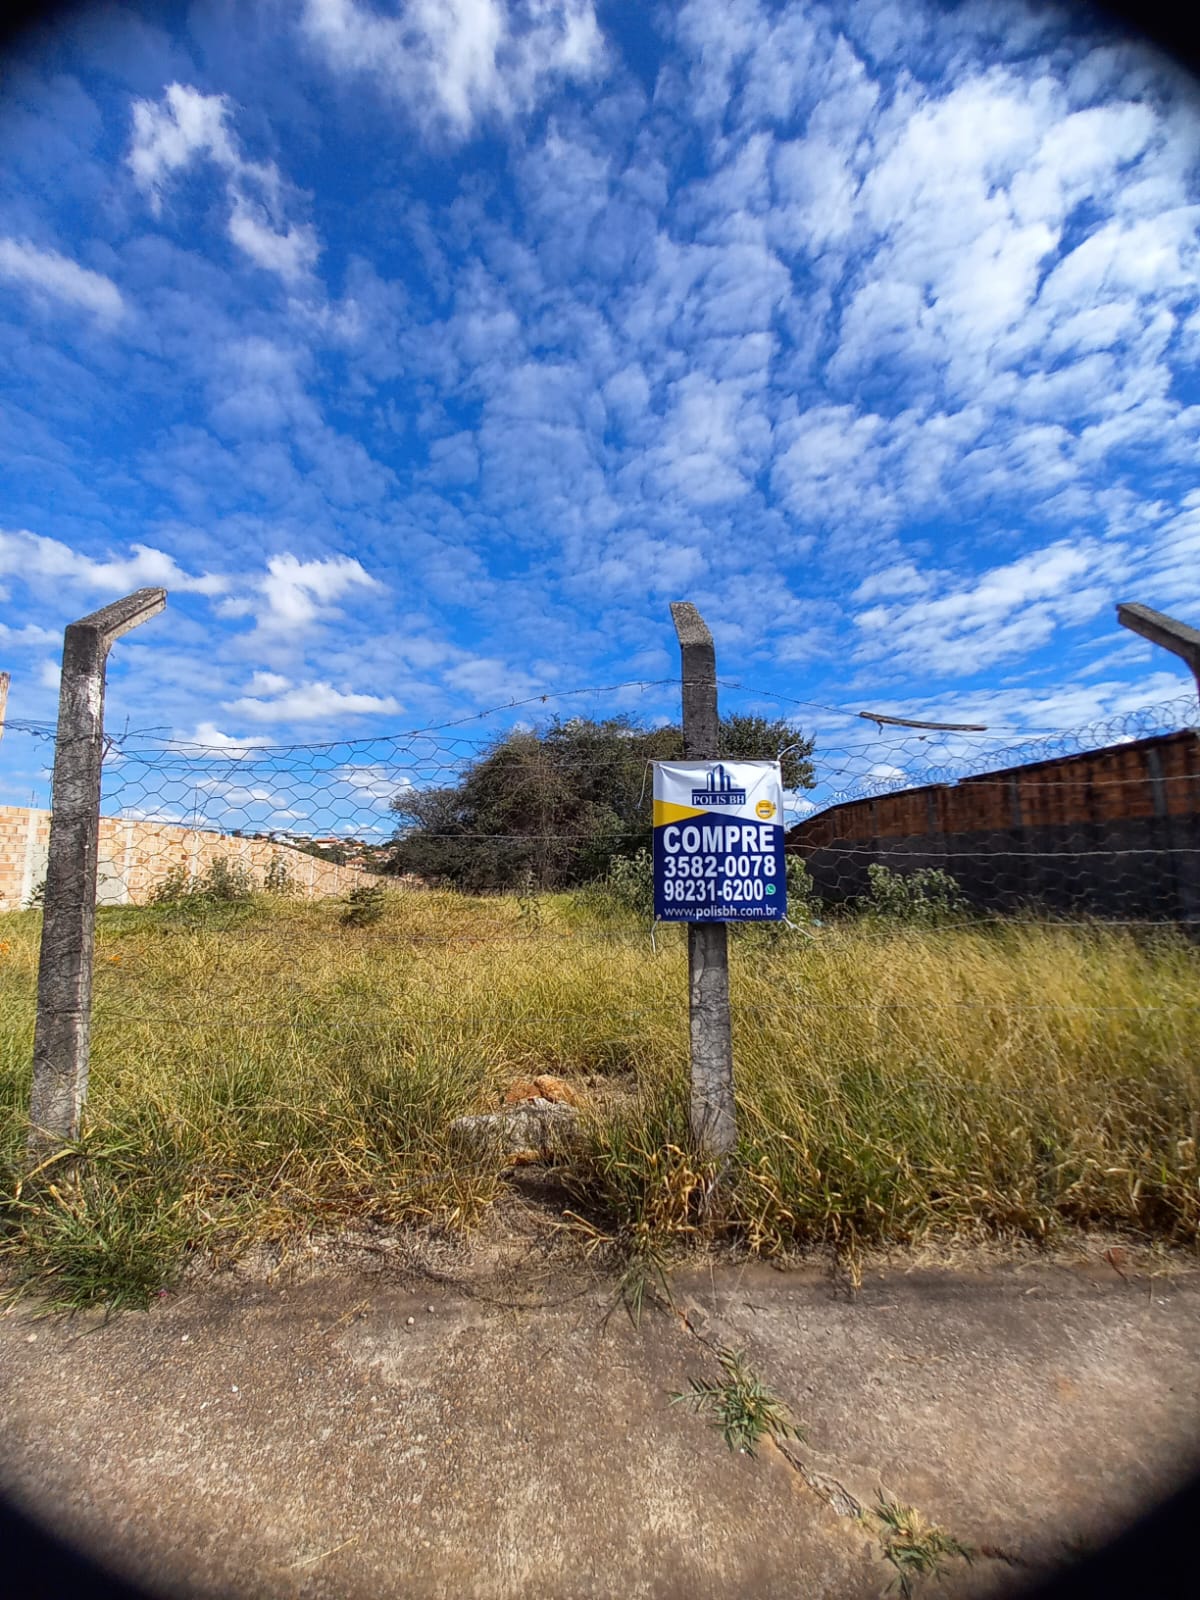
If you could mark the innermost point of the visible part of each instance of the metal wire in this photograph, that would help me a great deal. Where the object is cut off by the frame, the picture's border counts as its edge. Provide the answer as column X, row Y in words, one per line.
column 1107, row 821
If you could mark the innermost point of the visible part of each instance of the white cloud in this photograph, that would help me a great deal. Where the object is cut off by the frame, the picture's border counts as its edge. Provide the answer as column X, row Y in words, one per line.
column 30, row 556
column 46, row 272
column 489, row 679
column 891, row 582
column 374, row 782
column 455, row 459
column 236, row 746
column 790, row 316
column 169, row 135
column 1172, row 563
column 311, row 702
column 293, row 594
column 161, row 814
column 287, row 598
column 187, row 126
column 1003, row 613
column 833, row 464
column 292, row 253
column 269, row 683
column 28, row 636
column 257, row 388
column 298, row 592
column 236, row 796
column 454, row 62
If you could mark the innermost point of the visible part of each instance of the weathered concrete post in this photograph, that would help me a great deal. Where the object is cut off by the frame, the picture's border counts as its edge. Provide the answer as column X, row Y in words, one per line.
column 713, row 1125
column 1162, row 630
column 62, row 1032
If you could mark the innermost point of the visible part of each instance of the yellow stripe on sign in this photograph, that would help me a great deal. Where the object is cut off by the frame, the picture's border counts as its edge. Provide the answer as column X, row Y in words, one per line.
column 667, row 811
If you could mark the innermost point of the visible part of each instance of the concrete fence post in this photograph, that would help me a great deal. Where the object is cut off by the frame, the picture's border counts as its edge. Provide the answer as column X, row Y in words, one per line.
column 713, row 1123
column 1172, row 635
column 62, row 1032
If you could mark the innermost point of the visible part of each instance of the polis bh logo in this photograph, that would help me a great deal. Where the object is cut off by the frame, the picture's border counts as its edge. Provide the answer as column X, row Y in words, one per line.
column 720, row 790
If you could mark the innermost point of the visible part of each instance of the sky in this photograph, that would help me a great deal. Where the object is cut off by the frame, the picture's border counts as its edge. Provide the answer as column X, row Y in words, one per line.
column 425, row 352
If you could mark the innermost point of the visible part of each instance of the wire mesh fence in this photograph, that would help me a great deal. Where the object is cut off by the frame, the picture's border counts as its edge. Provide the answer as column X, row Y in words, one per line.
column 1097, row 820
column 312, row 959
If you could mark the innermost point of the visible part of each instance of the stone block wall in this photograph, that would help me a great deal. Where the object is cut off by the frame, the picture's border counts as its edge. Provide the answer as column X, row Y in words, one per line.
column 135, row 857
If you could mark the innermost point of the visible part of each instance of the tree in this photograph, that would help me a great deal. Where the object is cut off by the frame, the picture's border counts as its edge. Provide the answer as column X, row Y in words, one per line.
column 556, row 806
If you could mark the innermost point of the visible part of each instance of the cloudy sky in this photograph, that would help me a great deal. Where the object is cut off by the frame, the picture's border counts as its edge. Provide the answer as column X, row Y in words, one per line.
column 425, row 352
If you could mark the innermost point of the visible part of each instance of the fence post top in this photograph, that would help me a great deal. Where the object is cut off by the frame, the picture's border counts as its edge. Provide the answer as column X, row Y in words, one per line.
column 690, row 626
column 110, row 622
column 1157, row 626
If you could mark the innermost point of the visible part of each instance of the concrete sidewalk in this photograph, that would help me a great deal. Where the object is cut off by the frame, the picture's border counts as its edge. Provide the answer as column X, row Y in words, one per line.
column 372, row 1427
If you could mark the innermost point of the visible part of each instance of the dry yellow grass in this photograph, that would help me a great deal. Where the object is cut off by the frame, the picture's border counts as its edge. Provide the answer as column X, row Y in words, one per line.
column 260, row 1070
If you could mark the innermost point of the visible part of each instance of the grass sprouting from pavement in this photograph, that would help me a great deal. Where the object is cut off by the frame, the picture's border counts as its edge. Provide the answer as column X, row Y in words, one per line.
column 916, row 1548
column 740, row 1404
column 262, row 1070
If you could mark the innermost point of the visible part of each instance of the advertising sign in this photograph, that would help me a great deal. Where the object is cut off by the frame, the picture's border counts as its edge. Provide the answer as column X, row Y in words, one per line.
column 718, row 841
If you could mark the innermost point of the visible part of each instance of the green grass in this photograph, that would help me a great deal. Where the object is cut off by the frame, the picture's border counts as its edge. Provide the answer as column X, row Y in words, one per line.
column 916, row 1548
column 260, row 1070
column 740, row 1404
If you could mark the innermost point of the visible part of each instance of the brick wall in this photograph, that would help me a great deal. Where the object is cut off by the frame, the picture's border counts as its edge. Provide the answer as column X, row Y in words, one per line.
column 1115, row 832
column 1145, row 778
column 134, row 857
column 24, row 836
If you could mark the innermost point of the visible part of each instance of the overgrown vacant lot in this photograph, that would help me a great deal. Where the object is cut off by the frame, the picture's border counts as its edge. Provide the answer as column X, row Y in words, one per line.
column 262, row 1069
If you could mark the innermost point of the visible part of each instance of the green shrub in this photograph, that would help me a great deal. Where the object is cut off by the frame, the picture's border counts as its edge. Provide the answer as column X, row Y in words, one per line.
column 277, row 879
column 928, row 896
column 364, row 905
column 801, row 891
column 174, row 889
column 225, row 883
column 630, row 882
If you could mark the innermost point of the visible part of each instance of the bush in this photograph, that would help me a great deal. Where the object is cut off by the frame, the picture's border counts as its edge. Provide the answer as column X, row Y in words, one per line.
column 225, row 883
column 589, row 779
column 928, row 896
column 801, row 891
column 630, row 882
column 172, row 890
column 364, row 906
column 277, row 879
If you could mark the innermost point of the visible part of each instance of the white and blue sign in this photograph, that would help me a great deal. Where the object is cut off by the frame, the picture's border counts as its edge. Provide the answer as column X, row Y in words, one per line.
column 718, row 841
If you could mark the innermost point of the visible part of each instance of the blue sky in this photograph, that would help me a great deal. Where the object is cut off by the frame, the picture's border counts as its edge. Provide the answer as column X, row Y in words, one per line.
column 425, row 353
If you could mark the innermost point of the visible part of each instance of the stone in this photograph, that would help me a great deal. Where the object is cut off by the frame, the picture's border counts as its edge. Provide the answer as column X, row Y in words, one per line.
column 538, row 1124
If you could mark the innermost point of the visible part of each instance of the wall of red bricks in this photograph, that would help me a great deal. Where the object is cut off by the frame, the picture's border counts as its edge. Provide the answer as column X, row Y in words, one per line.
column 1145, row 778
